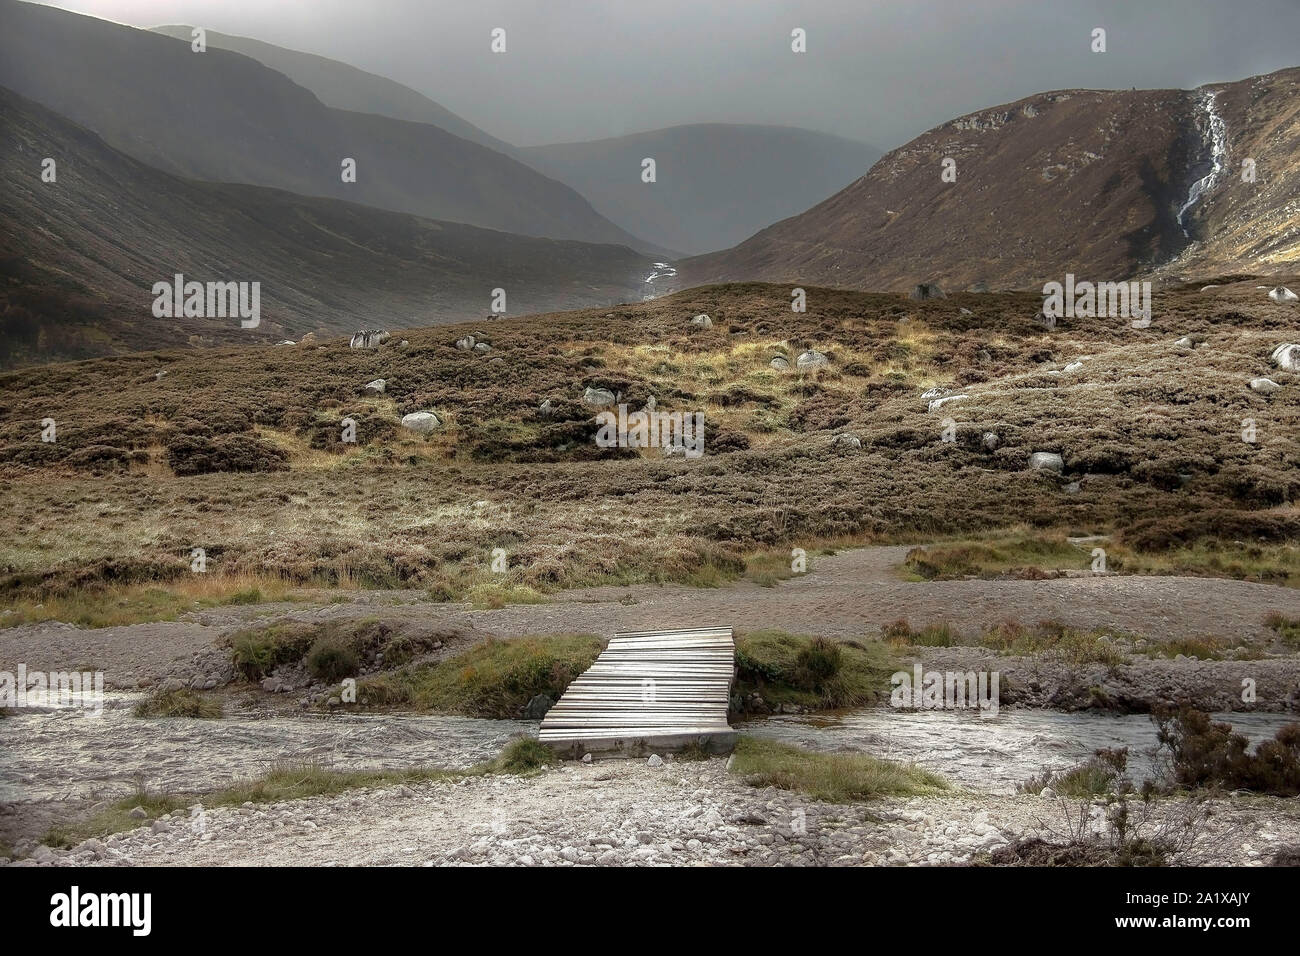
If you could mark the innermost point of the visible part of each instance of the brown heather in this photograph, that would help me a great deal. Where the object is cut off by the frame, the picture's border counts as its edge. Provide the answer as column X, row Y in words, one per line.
column 238, row 450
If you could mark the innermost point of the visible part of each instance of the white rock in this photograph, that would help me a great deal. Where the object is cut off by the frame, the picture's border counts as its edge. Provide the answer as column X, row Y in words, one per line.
column 703, row 321
column 466, row 343
column 847, row 440
column 1287, row 357
column 422, row 422
column 1283, row 294
column 1265, row 386
column 938, row 403
column 598, row 397
column 1046, row 461
column 811, row 359
column 1072, row 367
column 991, row 440
column 780, row 363
column 377, row 387
column 655, row 760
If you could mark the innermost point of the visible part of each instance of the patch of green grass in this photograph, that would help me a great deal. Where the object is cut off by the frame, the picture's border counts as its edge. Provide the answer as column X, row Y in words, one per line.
column 1101, row 774
column 1288, row 629
column 331, row 659
column 291, row 781
column 766, row 568
column 997, row 556
column 525, row 755
column 495, row 679
column 493, row 597
column 1206, row 648
column 178, row 703
column 1075, row 645
column 834, row 777
column 811, row 672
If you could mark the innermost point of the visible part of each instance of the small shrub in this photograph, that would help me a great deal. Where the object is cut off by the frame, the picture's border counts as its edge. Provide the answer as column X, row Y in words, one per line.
column 178, row 703
column 330, row 660
column 526, row 755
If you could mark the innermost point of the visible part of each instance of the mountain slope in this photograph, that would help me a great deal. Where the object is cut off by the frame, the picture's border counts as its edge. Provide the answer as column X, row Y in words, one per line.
column 716, row 183
column 345, row 87
column 79, row 256
column 1082, row 181
column 224, row 117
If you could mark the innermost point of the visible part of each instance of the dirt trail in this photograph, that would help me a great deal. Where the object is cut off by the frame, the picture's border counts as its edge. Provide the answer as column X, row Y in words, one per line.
column 850, row 594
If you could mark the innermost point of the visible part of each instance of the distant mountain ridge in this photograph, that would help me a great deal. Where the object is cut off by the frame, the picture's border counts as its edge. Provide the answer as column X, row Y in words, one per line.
column 717, row 184
column 80, row 255
column 1082, row 181
column 224, row 117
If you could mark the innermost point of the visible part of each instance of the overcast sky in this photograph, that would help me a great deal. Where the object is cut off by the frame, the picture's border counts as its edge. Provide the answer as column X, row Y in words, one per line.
column 876, row 71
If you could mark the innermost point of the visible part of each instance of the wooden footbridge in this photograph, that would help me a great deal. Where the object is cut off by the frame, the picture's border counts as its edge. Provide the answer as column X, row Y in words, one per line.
column 649, row 692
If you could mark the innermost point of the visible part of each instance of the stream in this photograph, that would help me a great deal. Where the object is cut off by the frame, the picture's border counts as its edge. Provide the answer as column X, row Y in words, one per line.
column 68, row 754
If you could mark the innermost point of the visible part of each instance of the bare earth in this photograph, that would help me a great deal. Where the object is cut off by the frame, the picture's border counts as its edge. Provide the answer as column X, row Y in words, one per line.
column 629, row 813
column 851, row 594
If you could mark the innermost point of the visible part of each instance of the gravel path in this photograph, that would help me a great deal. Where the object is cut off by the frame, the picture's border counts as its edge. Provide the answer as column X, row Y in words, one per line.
column 630, row 813
column 848, row 595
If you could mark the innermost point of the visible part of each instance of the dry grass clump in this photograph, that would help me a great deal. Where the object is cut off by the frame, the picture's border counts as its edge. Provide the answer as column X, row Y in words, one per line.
column 240, row 451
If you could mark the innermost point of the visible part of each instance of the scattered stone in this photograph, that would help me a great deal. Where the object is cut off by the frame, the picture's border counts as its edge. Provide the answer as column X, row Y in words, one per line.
column 1287, row 357
column 846, row 440
column 780, row 363
column 368, row 339
column 703, row 321
column 1265, row 386
column 1072, row 367
column 586, row 758
column 422, row 422
column 377, row 387
column 546, row 409
column 286, row 342
column 465, row 344
column 1046, row 461
column 481, row 348
column 965, row 311
column 938, row 403
column 1186, row 342
column 598, row 397
column 655, row 761
column 159, row 375
column 1072, row 488
column 1282, row 294
column 991, row 440
column 812, row 359
column 537, row 707
column 933, row 392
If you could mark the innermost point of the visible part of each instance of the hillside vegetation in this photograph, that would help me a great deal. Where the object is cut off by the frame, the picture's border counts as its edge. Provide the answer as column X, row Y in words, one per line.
column 240, row 451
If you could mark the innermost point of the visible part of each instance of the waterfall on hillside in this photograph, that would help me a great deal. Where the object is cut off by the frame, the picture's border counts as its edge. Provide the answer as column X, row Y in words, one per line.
column 1215, row 132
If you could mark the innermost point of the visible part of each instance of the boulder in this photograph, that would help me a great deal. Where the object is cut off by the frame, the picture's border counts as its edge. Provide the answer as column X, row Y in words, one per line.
column 1287, row 357
column 811, row 359
column 1072, row 367
column 1265, row 386
column 1283, row 295
column 377, row 387
column 938, row 403
column 991, row 440
column 703, row 321
column 466, row 343
column 927, row 290
column 368, row 339
column 599, row 397
column 965, row 311
column 1046, row 461
column 780, row 363
column 422, row 422
column 546, row 409
column 537, row 707
column 481, row 348
column 846, row 442
column 1186, row 342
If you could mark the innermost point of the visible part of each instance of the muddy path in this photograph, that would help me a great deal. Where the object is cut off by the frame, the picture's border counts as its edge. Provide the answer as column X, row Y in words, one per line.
column 850, row 594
